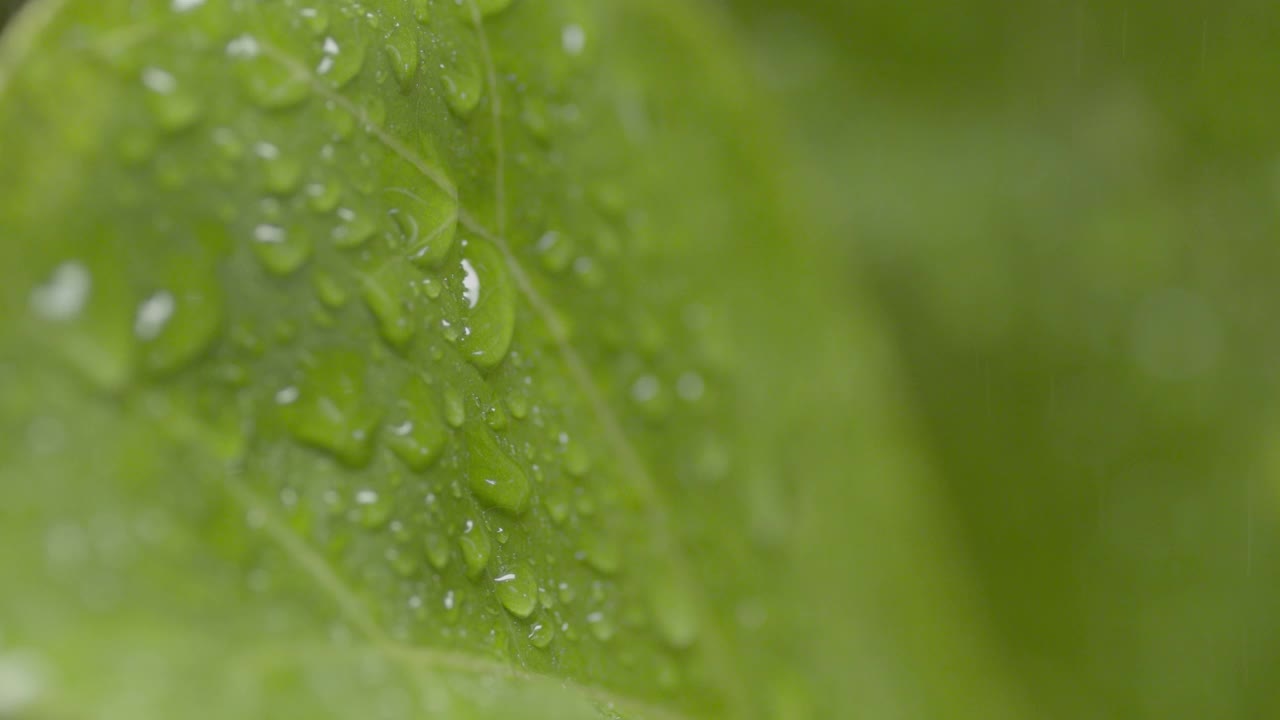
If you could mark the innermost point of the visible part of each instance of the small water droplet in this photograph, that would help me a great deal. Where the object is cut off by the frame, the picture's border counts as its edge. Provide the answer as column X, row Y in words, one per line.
column 455, row 410
column 341, row 61
column 383, row 293
column 491, row 305
column 495, row 478
column 402, row 52
column 174, row 108
column 541, row 634
column 374, row 508
column 555, row 250
column 437, row 550
column 63, row 297
column 404, row 563
column 331, row 411
column 476, row 547
column 269, row 83
column 690, row 386
column 492, row 7
column 602, row 552
column 601, row 626
column 428, row 220
column 329, row 290
column 518, row 404
column 674, row 612
column 463, row 82
column 573, row 39
column 280, row 251
column 353, row 228
column 416, row 433
column 518, row 592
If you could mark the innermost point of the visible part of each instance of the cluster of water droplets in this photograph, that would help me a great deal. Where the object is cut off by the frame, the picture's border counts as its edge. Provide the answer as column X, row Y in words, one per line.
column 488, row 473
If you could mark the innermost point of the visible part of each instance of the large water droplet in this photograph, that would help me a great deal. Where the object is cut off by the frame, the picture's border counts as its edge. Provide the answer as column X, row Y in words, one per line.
column 476, row 547
column 329, row 409
column 416, row 433
column 518, row 592
column 495, row 478
column 489, row 305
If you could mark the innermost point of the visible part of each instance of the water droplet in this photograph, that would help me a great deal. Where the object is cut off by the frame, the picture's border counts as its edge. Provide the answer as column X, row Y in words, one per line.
column 690, row 386
column 518, row 592
column 330, row 411
column 577, row 461
column 648, row 394
column 353, row 229
column 280, row 173
column 280, row 251
column 495, row 478
column 173, row 107
column 495, row 418
column 402, row 52
column 518, row 403
column 674, row 613
column 341, row 61
column 437, row 550
column 316, row 18
column 329, row 290
column 491, row 313
column 534, row 116
column 463, row 82
column 416, row 433
column 601, row 626
column 178, row 325
column 64, row 296
column 428, row 221
column 541, row 634
column 573, row 39
column 374, row 508
column 404, row 563
column 455, row 410
column 476, row 547
column 268, row 83
column 555, row 250
column 422, row 11
column 383, row 293
column 565, row 592
column 492, row 7
column 181, row 6
column 602, row 552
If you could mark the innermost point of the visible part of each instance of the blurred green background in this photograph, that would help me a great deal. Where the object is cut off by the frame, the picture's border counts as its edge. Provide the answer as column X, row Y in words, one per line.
column 1067, row 213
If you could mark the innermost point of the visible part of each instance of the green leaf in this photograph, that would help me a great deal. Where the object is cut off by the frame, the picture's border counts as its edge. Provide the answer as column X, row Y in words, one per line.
column 437, row 359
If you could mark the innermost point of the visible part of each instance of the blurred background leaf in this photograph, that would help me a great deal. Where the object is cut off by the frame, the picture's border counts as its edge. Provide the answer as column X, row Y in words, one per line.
column 1067, row 213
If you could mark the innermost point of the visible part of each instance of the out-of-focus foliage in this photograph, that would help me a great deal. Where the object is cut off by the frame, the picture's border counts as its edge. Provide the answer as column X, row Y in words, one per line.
column 1067, row 213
